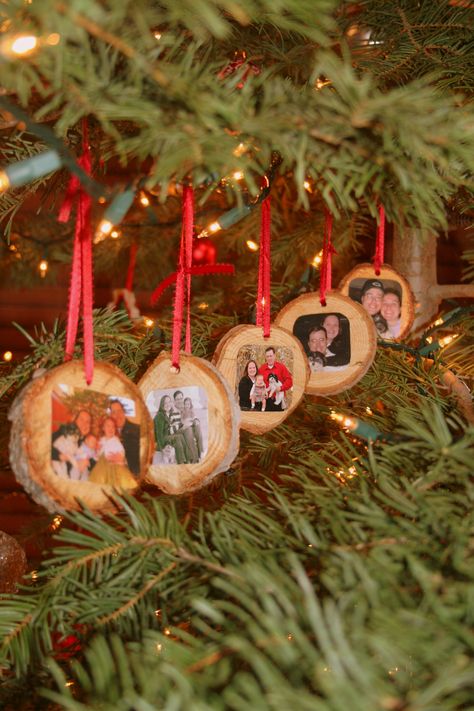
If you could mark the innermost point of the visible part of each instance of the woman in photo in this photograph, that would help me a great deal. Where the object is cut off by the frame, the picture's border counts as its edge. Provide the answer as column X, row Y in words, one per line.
column 164, row 434
column 391, row 311
column 246, row 384
column 189, row 422
column 111, row 467
column 336, row 350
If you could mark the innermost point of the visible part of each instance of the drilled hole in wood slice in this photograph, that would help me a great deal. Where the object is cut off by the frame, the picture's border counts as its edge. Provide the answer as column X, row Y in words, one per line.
column 339, row 340
column 72, row 442
column 387, row 298
column 195, row 423
column 244, row 354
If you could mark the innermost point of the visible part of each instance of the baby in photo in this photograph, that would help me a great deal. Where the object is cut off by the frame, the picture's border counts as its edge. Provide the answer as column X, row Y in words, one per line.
column 67, row 447
column 258, row 393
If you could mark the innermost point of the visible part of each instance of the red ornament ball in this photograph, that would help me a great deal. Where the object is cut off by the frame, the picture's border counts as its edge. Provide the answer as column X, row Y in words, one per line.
column 204, row 252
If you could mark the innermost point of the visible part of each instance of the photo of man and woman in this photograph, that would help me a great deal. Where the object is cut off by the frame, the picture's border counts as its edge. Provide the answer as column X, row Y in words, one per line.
column 180, row 420
column 95, row 437
column 382, row 299
column 326, row 340
column 264, row 378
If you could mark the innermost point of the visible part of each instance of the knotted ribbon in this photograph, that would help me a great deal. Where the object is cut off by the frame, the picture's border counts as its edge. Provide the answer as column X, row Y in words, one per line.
column 81, row 283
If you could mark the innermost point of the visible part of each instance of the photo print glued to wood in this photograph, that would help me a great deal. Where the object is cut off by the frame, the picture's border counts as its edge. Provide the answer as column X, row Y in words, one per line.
column 387, row 298
column 338, row 339
column 74, row 443
column 267, row 375
column 195, row 423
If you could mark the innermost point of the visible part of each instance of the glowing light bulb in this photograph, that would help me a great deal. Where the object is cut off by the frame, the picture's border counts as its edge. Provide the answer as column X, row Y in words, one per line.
column 214, row 227
column 53, row 39
column 238, row 175
column 23, row 45
column 43, row 267
column 203, row 306
column 149, row 322
column 447, row 339
column 115, row 234
column 104, row 228
column 251, row 245
column 307, row 186
column 317, row 259
column 7, row 356
column 157, row 35
column 144, row 200
column 4, row 182
column 438, row 322
column 240, row 150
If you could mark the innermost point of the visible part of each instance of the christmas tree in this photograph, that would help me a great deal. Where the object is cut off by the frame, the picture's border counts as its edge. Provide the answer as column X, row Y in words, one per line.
column 329, row 568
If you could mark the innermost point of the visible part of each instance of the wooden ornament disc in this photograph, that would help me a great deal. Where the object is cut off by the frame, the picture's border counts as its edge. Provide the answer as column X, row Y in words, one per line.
column 62, row 441
column 353, row 350
column 360, row 279
column 192, row 445
column 245, row 343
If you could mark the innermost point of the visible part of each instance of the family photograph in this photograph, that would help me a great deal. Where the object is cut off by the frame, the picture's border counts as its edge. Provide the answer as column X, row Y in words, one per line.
column 95, row 437
column 382, row 299
column 180, row 423
column 326, row 340
column 264, row 378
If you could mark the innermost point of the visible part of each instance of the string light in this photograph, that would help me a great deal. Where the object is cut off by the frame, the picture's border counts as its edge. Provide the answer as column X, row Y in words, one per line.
column 238, row 175
column 203, row 306
column 56, row 523
column 317, row 259
column 149, row 322
column 144, row 200
column 24, row 171
column 320, row 83
column 43, row 267
column 53, row 39
column 18, row 46
column 307, row 186
column 104, row 229
column 7, row 356
column 356, row 426
column 447, row 339
column 114, row 214
column 115, row 234
column 34, row 575
column 251, row 245
column 157, row 35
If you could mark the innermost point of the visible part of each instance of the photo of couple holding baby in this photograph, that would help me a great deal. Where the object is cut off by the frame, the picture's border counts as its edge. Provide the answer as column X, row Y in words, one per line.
column 96, row 441
column 266, row 387
column 180, row 425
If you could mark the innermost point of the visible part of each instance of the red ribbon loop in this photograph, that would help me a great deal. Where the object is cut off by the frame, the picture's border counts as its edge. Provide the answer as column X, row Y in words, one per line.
column 378, row 258
column 194, row 271
column 325, row 282
column 81, row 284
column 264, row 270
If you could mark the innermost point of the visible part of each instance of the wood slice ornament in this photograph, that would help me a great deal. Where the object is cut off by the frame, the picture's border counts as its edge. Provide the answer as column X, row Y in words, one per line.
column 339, row 340
column 195, row 422
column 387, row 297
column 73, row 443
column 244, row 345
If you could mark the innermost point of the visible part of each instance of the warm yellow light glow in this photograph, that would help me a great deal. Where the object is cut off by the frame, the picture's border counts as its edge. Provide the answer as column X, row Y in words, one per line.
column 438, row 322
column 167, row 631
column 238, row 175
column 307, row 186
column 240, row 150
column 115, row 234
column 4, row 182
column 253, row 246
column 105, row 227
column 53, row 39
column 56, row 522
column 203, row 306
column 23, row 45
column 43, row 267
column 263, row 301
column 317, row 259
column 320, row 83
column 368, row 410
column 34, row 575
column 447, row 339
column 157, row 35
column 149, row 322
column 144, row 200
column 214, row 227
column 349, row 423
column 7, row 356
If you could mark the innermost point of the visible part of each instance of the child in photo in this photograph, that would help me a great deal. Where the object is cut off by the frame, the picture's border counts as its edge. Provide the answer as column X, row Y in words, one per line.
column 166, row 456
column 273, row 384
column 258, row 393
column 67, row 446
column 86, row 457
column 111, row 467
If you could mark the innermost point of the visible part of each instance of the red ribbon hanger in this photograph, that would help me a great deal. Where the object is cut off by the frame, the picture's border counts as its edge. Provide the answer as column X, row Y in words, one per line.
column 380, row 242
column 81, row 284
column 325, row 282
column 264, row 270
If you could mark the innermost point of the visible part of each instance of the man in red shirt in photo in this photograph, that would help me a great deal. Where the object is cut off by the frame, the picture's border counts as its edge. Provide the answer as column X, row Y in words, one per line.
column 284, row 380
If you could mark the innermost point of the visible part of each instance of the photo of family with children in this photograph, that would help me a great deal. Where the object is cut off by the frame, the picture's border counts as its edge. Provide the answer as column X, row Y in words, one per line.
column 264, row 378
column 382, row 299
column 180, row 421
column 95, row 437
column 326, row 340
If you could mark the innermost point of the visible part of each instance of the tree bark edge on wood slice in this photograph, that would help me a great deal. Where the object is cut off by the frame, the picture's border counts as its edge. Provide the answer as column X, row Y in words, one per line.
column 31, row 452
column 240, row 341
column 218, row 421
